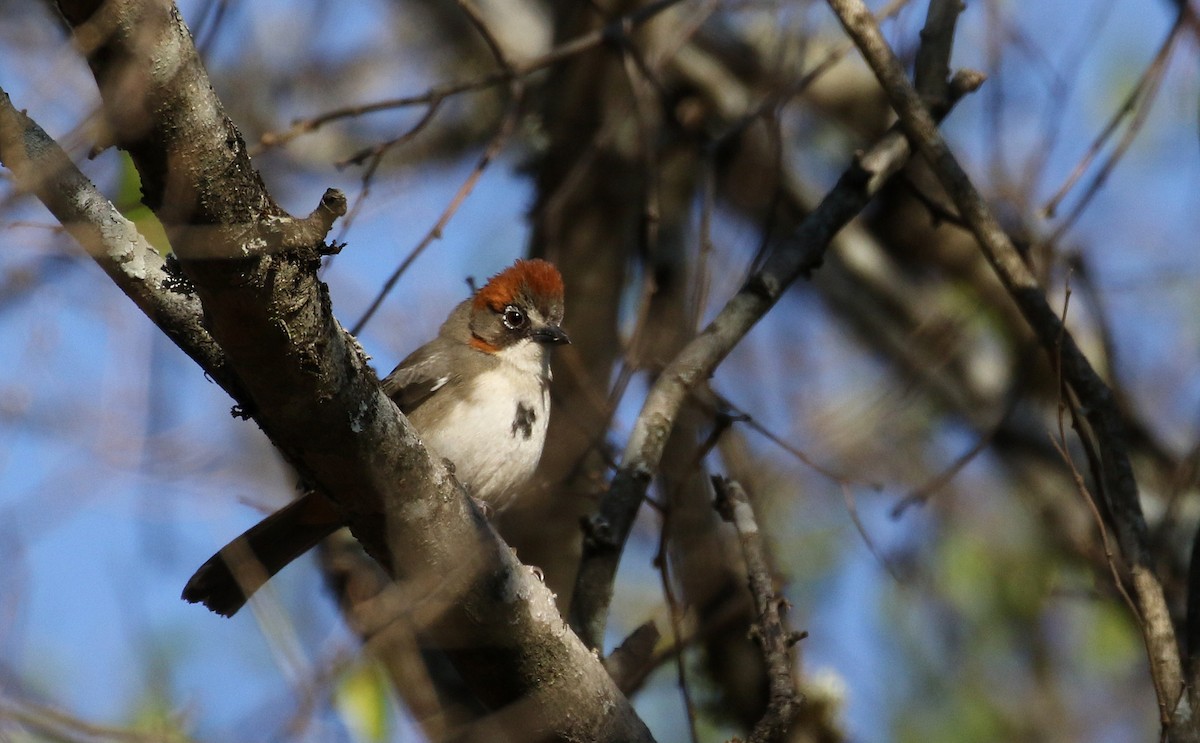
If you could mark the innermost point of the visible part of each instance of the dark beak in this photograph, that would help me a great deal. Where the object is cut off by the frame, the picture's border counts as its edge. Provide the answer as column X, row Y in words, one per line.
column 550, row 335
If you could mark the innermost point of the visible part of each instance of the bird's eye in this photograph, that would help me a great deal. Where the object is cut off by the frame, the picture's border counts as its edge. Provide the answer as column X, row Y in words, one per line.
column 514, row 318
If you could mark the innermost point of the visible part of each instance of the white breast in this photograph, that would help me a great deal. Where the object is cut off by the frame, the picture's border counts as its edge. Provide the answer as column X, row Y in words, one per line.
column 494, row 435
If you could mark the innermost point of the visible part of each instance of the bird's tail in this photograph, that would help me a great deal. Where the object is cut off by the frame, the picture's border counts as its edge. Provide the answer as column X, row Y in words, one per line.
column 231, row 576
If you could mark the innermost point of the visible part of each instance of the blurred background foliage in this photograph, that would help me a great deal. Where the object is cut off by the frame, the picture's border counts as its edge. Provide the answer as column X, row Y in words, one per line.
column 950, row 576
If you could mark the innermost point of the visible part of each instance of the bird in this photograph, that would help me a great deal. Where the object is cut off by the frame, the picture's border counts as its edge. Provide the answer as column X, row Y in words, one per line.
column 477, row 395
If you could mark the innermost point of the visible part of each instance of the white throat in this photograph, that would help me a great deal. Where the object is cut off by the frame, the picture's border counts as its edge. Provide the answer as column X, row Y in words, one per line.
column 527, row 357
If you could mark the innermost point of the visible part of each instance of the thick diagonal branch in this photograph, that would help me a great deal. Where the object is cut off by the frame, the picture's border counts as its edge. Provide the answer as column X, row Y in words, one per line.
column 310, row 386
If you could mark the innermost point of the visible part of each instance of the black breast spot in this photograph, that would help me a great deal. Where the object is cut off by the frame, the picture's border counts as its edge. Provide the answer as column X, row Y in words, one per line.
column 523, row 420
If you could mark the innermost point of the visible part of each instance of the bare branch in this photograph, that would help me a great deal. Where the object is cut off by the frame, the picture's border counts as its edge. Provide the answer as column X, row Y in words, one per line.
column 796, row 255
column 1118, row 486
column 773, row 637
column 435, row 232
column 932, row 67
column 776, row 99
column 630, row 661
column 509, row 71
column 49, row 723
column 1137, row 104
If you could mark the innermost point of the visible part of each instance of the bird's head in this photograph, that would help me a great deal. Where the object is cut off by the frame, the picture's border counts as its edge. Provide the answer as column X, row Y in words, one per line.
column 521, row 304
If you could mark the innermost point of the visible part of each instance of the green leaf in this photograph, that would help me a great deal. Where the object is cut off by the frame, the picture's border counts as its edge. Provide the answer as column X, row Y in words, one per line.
column 362, row 700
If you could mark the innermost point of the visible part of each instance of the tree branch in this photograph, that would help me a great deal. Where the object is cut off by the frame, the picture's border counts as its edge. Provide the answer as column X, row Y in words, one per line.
column 797, row 255
column 314, row 393
column 773, row 637
column 1118, row 486
column 510, row 71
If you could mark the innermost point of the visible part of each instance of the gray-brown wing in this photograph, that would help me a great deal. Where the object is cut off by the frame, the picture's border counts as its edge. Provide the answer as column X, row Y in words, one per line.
column 416, row 378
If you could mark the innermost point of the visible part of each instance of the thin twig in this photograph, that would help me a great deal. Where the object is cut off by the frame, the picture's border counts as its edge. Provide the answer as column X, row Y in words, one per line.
column 845, row 484
column 638, row 75
column 1064, row 73
column 673, row 612
column 494, row 147
column 773, row 103
column 774, row 438
column 493, row 44
column 516, row 70
column 1067, row 401
column 773, row 637
column 727, row 615
column 1153, row 84
column 852, row 510
column 703, row 261
column 632, row 659
column 374, row 158
column 943, row 478
column 773, row 126
column 57, row 725
column 374, row 155
column 375, row 152
column 1137, row 103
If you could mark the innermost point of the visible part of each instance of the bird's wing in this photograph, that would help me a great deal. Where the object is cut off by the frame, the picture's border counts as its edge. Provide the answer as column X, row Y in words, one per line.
column 416, row 379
